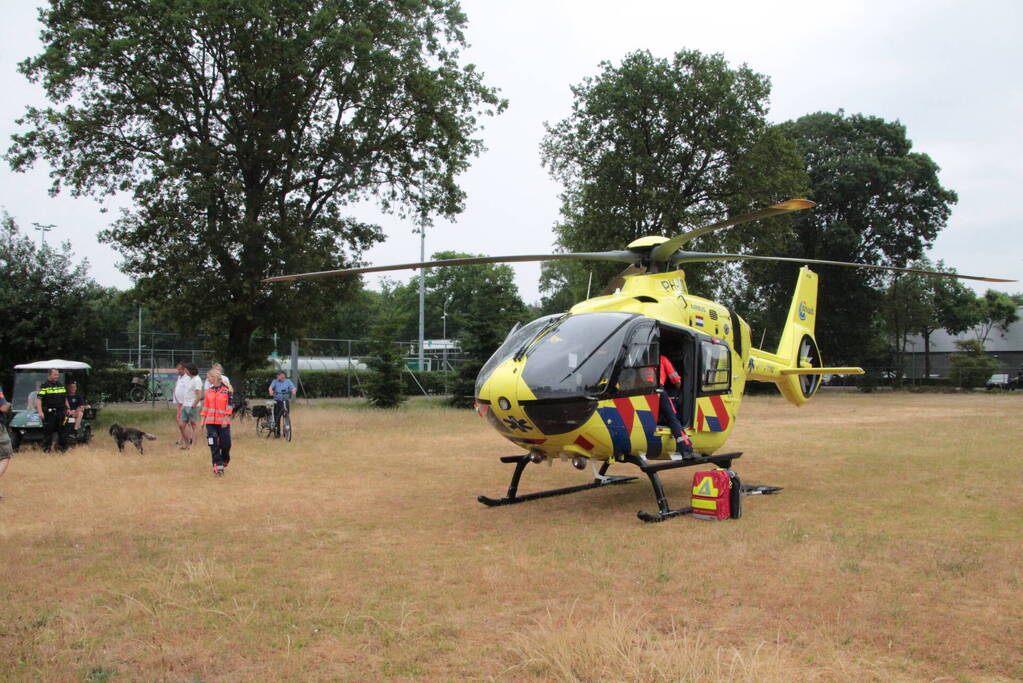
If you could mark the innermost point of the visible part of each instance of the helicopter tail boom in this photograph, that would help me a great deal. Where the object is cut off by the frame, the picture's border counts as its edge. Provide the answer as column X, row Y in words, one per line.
column 796, row 366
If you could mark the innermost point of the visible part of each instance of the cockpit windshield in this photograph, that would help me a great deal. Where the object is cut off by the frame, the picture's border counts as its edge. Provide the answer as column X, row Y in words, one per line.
column 517, row 339
column 577, row 357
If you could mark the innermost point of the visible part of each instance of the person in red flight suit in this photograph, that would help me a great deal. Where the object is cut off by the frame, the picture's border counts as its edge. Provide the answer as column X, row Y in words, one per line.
column 216, row 415
column 667, row 409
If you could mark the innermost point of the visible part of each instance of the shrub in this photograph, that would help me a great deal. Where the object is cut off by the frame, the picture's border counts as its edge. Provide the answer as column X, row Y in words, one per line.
column 971, row 366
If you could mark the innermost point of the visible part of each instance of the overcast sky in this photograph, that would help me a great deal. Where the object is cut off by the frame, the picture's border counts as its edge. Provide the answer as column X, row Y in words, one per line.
column 949, row 71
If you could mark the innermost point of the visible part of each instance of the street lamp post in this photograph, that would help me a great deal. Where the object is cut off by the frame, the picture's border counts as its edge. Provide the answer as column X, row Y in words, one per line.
column 43, row 229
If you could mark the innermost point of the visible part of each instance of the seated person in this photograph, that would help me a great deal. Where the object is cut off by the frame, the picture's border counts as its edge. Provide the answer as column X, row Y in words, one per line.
column 76, row 407
column 30, row 404
column 667, row 406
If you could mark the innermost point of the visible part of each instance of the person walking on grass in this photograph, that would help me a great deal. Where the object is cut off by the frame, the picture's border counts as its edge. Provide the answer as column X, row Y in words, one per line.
column 193, row 403
column 181, row 399
column 6, row 449
column 216, row 416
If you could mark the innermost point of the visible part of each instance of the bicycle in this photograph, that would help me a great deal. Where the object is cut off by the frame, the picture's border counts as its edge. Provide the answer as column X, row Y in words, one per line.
column 265, row 421
column 263, row 416
column 142, row 392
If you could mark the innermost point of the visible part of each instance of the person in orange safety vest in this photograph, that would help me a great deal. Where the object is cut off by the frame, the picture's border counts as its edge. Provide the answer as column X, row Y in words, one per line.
column 667, row 408
column 216, row 415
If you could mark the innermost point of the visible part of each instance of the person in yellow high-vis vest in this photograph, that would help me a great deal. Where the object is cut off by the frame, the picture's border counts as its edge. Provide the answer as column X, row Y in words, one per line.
column 51, row 404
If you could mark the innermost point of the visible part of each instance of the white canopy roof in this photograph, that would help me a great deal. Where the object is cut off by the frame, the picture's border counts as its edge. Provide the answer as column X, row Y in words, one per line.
column 45, row 365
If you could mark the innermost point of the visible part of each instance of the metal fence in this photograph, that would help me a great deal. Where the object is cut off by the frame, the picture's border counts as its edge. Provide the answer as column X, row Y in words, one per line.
column 163, row 352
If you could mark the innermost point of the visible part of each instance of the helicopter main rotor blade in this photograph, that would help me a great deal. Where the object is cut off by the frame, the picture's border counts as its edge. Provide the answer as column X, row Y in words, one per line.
column 621, row 256
column 696, row 257
column 619, row 279
column 662, row 252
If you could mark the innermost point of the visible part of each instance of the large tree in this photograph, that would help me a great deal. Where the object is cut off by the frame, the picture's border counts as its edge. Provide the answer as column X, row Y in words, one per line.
column 654, row 146
column 877, row 202
column 922, row 305
column 49, row 305
column 243, row 130
column 994, row 310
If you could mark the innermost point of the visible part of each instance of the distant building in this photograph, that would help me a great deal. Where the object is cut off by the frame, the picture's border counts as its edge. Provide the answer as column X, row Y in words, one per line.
column 1006, row 347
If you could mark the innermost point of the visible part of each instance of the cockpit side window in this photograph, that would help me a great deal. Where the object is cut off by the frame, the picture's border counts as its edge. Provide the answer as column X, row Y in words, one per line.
column 638, row 373
column 715, row 368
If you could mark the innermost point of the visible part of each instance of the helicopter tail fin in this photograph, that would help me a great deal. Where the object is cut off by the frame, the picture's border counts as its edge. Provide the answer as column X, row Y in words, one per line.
column 796, row 367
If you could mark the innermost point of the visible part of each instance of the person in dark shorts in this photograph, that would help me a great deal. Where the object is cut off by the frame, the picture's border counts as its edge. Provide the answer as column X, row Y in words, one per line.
column 76, row 405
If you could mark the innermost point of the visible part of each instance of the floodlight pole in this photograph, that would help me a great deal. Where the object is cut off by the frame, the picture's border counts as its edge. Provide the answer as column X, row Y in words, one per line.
column 43, row 229
column 444, row 336
column 422, row 292
column 140, row 336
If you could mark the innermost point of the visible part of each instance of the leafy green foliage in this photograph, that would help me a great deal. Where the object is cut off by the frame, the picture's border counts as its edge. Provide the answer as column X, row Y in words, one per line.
column 386, row 361
column 459, row 288
column 922, row 305
column 877, row 202
column 971, row 366
column 50, row 306
column 489, row 314
column 348, row 383
column 654, row 146
column 994, row 310
column 243, row 130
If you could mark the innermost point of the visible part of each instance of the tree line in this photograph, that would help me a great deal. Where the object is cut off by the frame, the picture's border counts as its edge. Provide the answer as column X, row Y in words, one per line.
column 244, row 132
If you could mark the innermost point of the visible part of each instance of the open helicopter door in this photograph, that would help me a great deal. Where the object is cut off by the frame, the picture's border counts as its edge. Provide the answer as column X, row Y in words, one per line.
column 679, row 346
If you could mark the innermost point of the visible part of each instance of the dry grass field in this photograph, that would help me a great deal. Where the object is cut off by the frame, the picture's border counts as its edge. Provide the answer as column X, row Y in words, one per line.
column 359, row 552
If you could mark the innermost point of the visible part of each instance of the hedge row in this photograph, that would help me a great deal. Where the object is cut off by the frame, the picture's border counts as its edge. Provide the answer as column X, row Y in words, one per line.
column 112, row 383
column 344, row 383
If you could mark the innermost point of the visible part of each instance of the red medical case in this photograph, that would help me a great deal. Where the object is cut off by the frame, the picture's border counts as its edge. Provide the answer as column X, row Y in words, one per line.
column 712, row 495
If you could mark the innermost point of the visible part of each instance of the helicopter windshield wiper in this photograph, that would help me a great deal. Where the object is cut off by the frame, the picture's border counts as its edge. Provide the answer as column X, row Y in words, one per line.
column 549, row 327
column 595, row 349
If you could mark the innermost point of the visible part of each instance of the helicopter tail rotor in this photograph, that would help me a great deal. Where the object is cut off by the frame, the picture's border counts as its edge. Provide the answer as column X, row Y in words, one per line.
column 796, row 367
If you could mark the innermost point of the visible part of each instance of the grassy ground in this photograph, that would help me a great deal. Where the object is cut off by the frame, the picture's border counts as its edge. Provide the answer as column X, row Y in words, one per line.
column 358, row 552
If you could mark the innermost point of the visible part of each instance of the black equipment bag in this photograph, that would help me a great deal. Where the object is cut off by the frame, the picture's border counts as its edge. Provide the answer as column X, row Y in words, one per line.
column 735, row 495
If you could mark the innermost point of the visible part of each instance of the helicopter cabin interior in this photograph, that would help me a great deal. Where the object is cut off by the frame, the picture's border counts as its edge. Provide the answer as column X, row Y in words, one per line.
column 704, row 363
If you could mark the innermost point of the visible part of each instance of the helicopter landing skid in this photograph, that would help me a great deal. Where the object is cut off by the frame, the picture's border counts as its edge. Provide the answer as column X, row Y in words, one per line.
column 521, row 461
column 651, row 468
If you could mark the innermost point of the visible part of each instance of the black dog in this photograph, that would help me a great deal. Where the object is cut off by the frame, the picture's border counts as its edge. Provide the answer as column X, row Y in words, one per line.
column 122, row 434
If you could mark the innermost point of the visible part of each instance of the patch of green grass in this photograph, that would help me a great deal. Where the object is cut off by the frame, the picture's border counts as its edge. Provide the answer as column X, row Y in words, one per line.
column 100, row 675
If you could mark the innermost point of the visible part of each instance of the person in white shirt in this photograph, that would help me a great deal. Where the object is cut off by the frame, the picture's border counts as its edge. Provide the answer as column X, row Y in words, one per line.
column 223, row 378
column 182, row 398
column 190, row 411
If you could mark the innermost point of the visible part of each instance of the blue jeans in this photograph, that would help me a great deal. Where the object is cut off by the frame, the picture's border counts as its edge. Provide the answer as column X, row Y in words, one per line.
column 219, row 439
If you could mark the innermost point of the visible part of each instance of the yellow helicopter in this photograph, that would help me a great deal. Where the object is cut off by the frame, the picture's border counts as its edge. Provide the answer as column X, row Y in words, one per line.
column 586, row 386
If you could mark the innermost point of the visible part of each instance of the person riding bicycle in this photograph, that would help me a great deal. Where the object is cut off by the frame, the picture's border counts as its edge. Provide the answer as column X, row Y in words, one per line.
column 282, row 389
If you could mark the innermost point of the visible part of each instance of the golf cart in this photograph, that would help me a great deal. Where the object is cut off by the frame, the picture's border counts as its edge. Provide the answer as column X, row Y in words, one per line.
column 25, row 425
